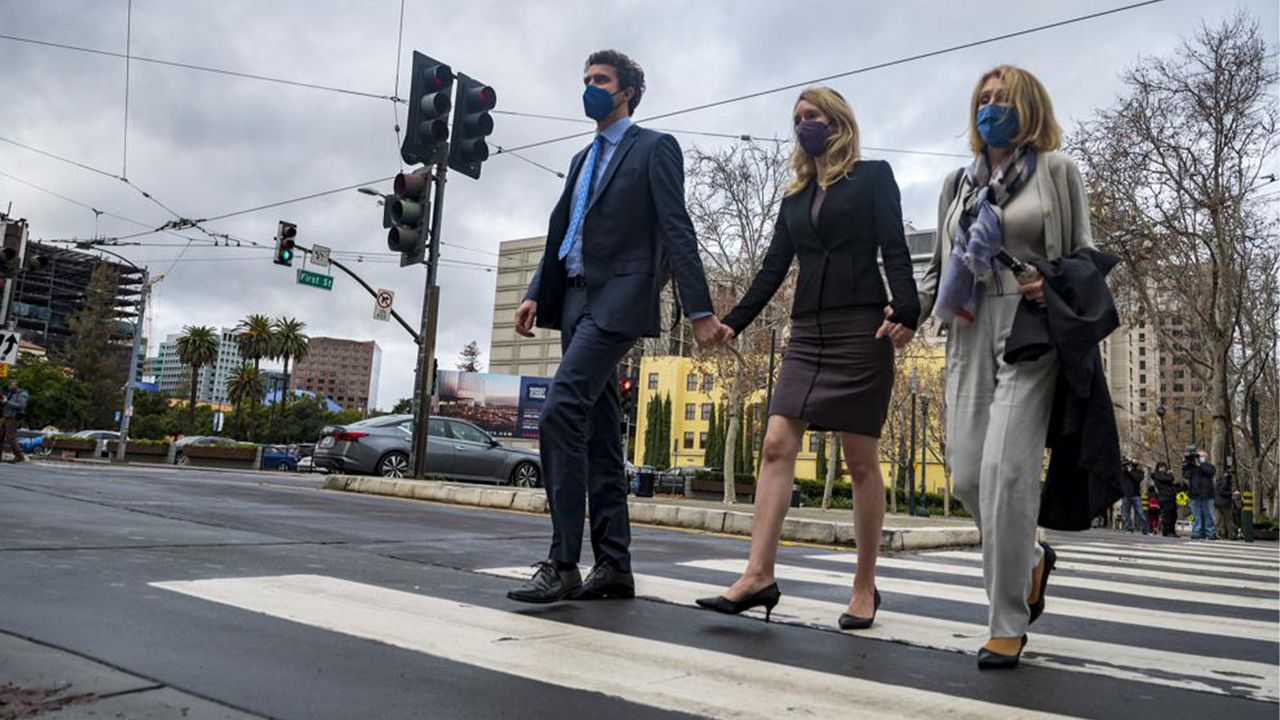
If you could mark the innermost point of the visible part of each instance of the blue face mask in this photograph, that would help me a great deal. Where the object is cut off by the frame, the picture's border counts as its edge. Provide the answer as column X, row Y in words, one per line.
column 997, row 125
column 597, row 102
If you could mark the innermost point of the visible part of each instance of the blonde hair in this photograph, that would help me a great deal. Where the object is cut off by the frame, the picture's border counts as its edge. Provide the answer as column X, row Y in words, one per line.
column 1036, row 124
column 842, row 146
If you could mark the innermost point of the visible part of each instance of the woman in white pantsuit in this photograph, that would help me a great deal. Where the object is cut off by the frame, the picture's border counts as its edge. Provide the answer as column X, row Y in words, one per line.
column 1022, row 197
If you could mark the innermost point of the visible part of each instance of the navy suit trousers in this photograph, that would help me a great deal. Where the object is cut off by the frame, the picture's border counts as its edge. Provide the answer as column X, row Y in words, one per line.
column 581, row 440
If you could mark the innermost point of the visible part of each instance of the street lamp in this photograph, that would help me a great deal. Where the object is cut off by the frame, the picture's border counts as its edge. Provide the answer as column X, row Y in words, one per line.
column 371, row 191
column 1160, row 414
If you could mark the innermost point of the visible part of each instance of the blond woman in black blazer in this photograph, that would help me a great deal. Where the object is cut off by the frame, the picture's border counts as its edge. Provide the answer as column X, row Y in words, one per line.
column 840, row 215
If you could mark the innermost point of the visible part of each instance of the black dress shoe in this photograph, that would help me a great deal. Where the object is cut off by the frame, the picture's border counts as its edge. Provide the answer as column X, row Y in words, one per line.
column 853, row 622
column 1050, row 559
column 605, row 582
column 549, row 584
column 766, row 597
column 988, row 660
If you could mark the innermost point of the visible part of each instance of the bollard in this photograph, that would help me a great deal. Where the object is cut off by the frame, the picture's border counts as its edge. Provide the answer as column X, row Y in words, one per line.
column 1246, row 516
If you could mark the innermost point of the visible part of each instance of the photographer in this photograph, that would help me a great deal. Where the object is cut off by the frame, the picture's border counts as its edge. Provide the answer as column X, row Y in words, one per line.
column 1199, row 473
column 1131, row 505
column 1167, row 496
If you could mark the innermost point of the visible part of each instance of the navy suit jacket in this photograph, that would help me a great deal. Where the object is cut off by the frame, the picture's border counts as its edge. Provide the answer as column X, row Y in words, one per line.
column 635, row 235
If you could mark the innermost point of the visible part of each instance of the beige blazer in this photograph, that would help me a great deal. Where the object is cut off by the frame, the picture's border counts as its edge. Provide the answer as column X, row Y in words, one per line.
column 1066, row 218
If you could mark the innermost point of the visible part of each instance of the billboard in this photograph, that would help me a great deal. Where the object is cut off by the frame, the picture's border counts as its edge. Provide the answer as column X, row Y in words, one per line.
column 505, row 406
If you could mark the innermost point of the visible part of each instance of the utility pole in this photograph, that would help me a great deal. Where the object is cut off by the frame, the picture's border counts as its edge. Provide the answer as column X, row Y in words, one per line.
column 924, row 445
column 127, row 414
column 427, row 336
column 911, row 456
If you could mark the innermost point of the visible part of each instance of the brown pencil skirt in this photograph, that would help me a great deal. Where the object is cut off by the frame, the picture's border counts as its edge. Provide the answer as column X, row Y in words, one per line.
column 836, row 375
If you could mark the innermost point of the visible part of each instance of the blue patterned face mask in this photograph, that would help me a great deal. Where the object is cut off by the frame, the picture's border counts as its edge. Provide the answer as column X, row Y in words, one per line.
column 998, row 125
column 597, row 102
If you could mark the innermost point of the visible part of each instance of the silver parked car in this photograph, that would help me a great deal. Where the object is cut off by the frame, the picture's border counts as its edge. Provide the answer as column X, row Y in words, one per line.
column 456, row 449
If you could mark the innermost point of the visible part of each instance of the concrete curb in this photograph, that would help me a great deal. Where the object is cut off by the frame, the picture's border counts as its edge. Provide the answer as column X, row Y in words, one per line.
column 733, row 522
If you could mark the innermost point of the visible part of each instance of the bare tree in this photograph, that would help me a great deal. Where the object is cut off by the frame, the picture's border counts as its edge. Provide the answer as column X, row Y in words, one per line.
column 733, row 198
column 1170, row 169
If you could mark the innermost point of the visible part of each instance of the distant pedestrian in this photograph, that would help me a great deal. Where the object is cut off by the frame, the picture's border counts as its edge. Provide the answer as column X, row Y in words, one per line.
column 1201, row 490
column 1167, row 498
column 1153, row 508
column 14, row 412
column 1224, row 516
column 1131, row 505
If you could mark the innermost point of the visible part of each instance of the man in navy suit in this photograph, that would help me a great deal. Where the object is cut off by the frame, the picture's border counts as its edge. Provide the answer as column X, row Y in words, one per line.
column 617, row 233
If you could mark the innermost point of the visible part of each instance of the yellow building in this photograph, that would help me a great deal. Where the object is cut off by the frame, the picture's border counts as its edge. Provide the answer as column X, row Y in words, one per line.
column 693, row 394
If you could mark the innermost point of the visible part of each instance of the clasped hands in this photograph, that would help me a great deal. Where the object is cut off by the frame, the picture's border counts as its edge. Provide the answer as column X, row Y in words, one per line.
column 710, row 333
column 897, row 333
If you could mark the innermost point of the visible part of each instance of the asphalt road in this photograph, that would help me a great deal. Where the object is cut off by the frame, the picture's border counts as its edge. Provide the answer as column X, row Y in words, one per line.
column 158, row 593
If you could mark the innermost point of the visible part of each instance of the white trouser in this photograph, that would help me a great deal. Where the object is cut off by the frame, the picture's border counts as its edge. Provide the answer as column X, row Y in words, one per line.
column 997, row 420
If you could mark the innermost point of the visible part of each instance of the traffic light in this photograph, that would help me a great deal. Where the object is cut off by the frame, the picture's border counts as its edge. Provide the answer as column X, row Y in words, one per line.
column 471, row 124
column 285, row 234
column 427, row 127
column 625, row 388
column 11, row 251
column 408, row 210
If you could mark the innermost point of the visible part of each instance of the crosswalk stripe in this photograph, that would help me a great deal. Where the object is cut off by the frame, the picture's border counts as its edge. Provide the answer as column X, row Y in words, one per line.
column 679, row 678
column 1193, row 565
column 1111, row 586
column 1269, row 555
column 1131, row 571
column 1223, row 563
column 1190, row 565
column 1141, row 616
column 1126, row 662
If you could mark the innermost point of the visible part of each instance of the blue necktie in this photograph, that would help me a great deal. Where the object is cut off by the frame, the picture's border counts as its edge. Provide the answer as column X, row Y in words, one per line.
column 580, row 197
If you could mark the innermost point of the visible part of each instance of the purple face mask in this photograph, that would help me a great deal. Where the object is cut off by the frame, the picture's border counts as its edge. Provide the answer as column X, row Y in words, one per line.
column 813, row 136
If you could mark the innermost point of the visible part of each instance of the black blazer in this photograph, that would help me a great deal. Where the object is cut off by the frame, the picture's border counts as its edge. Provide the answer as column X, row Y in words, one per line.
column 862, row 214
column 636, row 234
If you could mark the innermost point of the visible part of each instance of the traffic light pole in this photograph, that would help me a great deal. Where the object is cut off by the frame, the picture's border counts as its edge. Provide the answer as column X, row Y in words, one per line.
column 427, row 336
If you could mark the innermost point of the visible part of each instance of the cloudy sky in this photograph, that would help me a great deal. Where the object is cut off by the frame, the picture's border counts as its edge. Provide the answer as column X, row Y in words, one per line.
column 207, row 144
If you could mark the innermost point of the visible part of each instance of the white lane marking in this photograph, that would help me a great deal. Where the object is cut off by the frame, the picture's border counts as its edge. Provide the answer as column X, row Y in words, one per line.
column 1111, row 586
column 1135, row 615
column 1222, row 563
column 1217, row 548
column 1138, row 574
column 1192, row 565
column 1260, row 681
column 679, row 678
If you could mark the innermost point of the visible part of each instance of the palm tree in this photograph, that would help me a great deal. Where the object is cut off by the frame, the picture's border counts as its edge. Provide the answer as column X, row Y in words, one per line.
column 197, row 347
column 245, row 387
column 257, row 341
column 291, row 344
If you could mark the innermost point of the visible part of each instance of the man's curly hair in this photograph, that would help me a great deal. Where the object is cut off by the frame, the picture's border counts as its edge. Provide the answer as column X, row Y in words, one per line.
column 630, row 75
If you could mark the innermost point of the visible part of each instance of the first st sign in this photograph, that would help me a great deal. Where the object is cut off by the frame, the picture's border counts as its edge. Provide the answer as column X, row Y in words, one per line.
column 315, row 280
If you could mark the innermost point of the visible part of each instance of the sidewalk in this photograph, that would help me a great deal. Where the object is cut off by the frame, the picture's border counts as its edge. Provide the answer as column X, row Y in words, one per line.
column 811, row 525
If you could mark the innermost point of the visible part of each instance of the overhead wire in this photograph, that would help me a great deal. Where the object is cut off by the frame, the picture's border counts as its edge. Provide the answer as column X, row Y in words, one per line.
column 200, row 68
column 860, row 70
column 128, row 47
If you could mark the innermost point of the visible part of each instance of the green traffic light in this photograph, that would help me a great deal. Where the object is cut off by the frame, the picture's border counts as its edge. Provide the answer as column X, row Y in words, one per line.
column 286, row 255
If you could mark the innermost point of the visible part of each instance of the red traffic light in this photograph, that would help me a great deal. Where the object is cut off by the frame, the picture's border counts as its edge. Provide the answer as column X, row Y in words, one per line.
column 479, row 98
column 438, row 76
column 625, row 386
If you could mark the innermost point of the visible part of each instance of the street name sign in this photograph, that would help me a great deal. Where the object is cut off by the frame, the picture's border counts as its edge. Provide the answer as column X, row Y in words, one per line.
column 315, row 280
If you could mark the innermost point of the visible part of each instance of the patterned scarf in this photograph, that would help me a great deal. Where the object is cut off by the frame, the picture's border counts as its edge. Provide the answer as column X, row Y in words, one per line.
column 979, row 235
